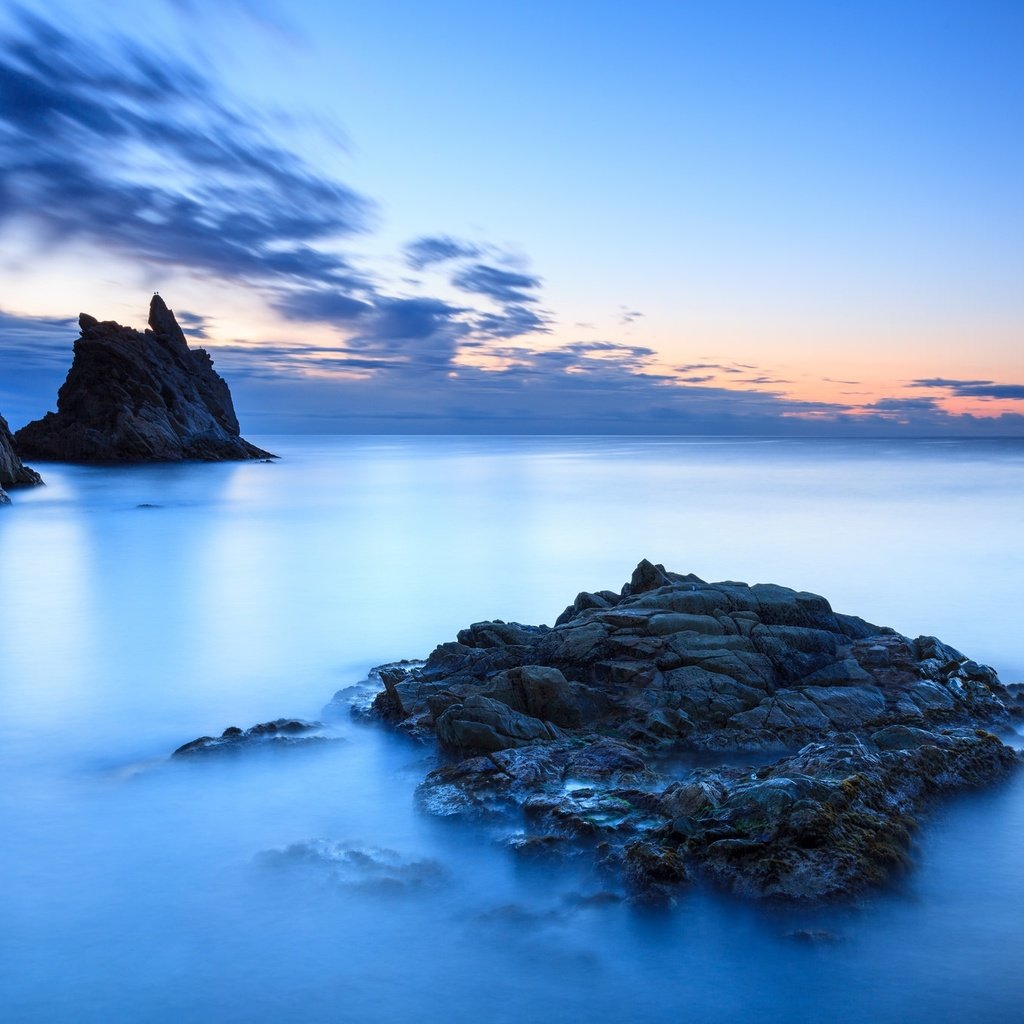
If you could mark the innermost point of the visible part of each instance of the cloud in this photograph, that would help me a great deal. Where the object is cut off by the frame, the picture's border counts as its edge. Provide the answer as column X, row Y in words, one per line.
column 503, row 286
column 692, row 367
column 904, row 406
column 36, row 341
column 410, row 319
column 943, row 382
column 972, row 388
column 512, row 322
column 552, row 391
column 629, row 316
column 322, row 305
column 35, row 352
column 426, row 385
column 193, row 324
column 430, row 250
column 140, row 154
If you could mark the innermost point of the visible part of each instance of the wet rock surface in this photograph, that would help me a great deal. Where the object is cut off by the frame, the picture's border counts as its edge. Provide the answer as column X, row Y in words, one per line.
column 133, row 396
column 586, row 736
column 13, row 472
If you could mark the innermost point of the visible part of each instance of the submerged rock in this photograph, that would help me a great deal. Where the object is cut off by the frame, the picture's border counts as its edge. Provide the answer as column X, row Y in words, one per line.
column 569, row 728
column 13, row 472
column 354, row 866
column 134, row 396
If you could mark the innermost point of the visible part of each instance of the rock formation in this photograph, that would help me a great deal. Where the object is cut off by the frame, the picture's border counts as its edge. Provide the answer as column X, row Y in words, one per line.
column 134, row 396
column 13, row 473
column 580, row 733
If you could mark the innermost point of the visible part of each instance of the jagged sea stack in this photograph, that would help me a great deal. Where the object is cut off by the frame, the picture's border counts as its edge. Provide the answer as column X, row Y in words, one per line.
column 13, row 473
column 133, row 396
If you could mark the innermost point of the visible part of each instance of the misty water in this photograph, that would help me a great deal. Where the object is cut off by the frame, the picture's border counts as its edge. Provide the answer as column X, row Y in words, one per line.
column 304, row 884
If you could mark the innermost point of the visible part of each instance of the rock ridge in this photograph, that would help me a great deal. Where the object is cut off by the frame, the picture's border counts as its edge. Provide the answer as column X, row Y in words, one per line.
column 133, row 396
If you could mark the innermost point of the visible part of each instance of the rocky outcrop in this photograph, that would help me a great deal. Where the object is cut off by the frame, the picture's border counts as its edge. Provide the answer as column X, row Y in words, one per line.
column 282, row 732
column 13, row 473
column 134, row 396
column 853, row 729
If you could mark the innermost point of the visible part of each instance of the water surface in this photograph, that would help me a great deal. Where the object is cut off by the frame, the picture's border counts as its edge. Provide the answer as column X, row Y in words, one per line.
column 135, row 889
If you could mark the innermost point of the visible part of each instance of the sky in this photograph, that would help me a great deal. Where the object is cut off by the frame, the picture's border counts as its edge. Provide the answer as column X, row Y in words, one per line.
column 740, row 217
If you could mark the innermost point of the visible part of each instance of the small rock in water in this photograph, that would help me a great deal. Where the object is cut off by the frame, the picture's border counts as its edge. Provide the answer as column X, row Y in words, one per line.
column 813, row 936
column 282, row 732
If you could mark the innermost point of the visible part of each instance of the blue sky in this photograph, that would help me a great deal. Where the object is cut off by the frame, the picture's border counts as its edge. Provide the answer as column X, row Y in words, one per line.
column 666, row 217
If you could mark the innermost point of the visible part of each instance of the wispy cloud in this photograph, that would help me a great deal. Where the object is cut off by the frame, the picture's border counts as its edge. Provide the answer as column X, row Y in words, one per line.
column 972, row 388
column 504, row 286
column 36, row 341
column 719, row 367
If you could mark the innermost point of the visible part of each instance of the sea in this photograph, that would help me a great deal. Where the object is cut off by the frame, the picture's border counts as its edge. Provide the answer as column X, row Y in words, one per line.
column 142, row 607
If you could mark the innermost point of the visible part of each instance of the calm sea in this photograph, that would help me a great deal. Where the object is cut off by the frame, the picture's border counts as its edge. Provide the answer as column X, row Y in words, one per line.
column 142, row 607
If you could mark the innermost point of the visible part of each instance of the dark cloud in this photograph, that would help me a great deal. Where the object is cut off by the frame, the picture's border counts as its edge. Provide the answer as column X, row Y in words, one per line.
column 412, row 319
column 283, row 361
column 193, row 324
column 944, row 382
column 904, row 406
column 35, row 352
column 426, row 328
column 503, row 286
column 422, row 333
column 1013, row 391
column 321, row 305
column 612, row 346
column 972, row 388
column 427, row 251
column 512, row 322
column 629, row 316
column 36, row 339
